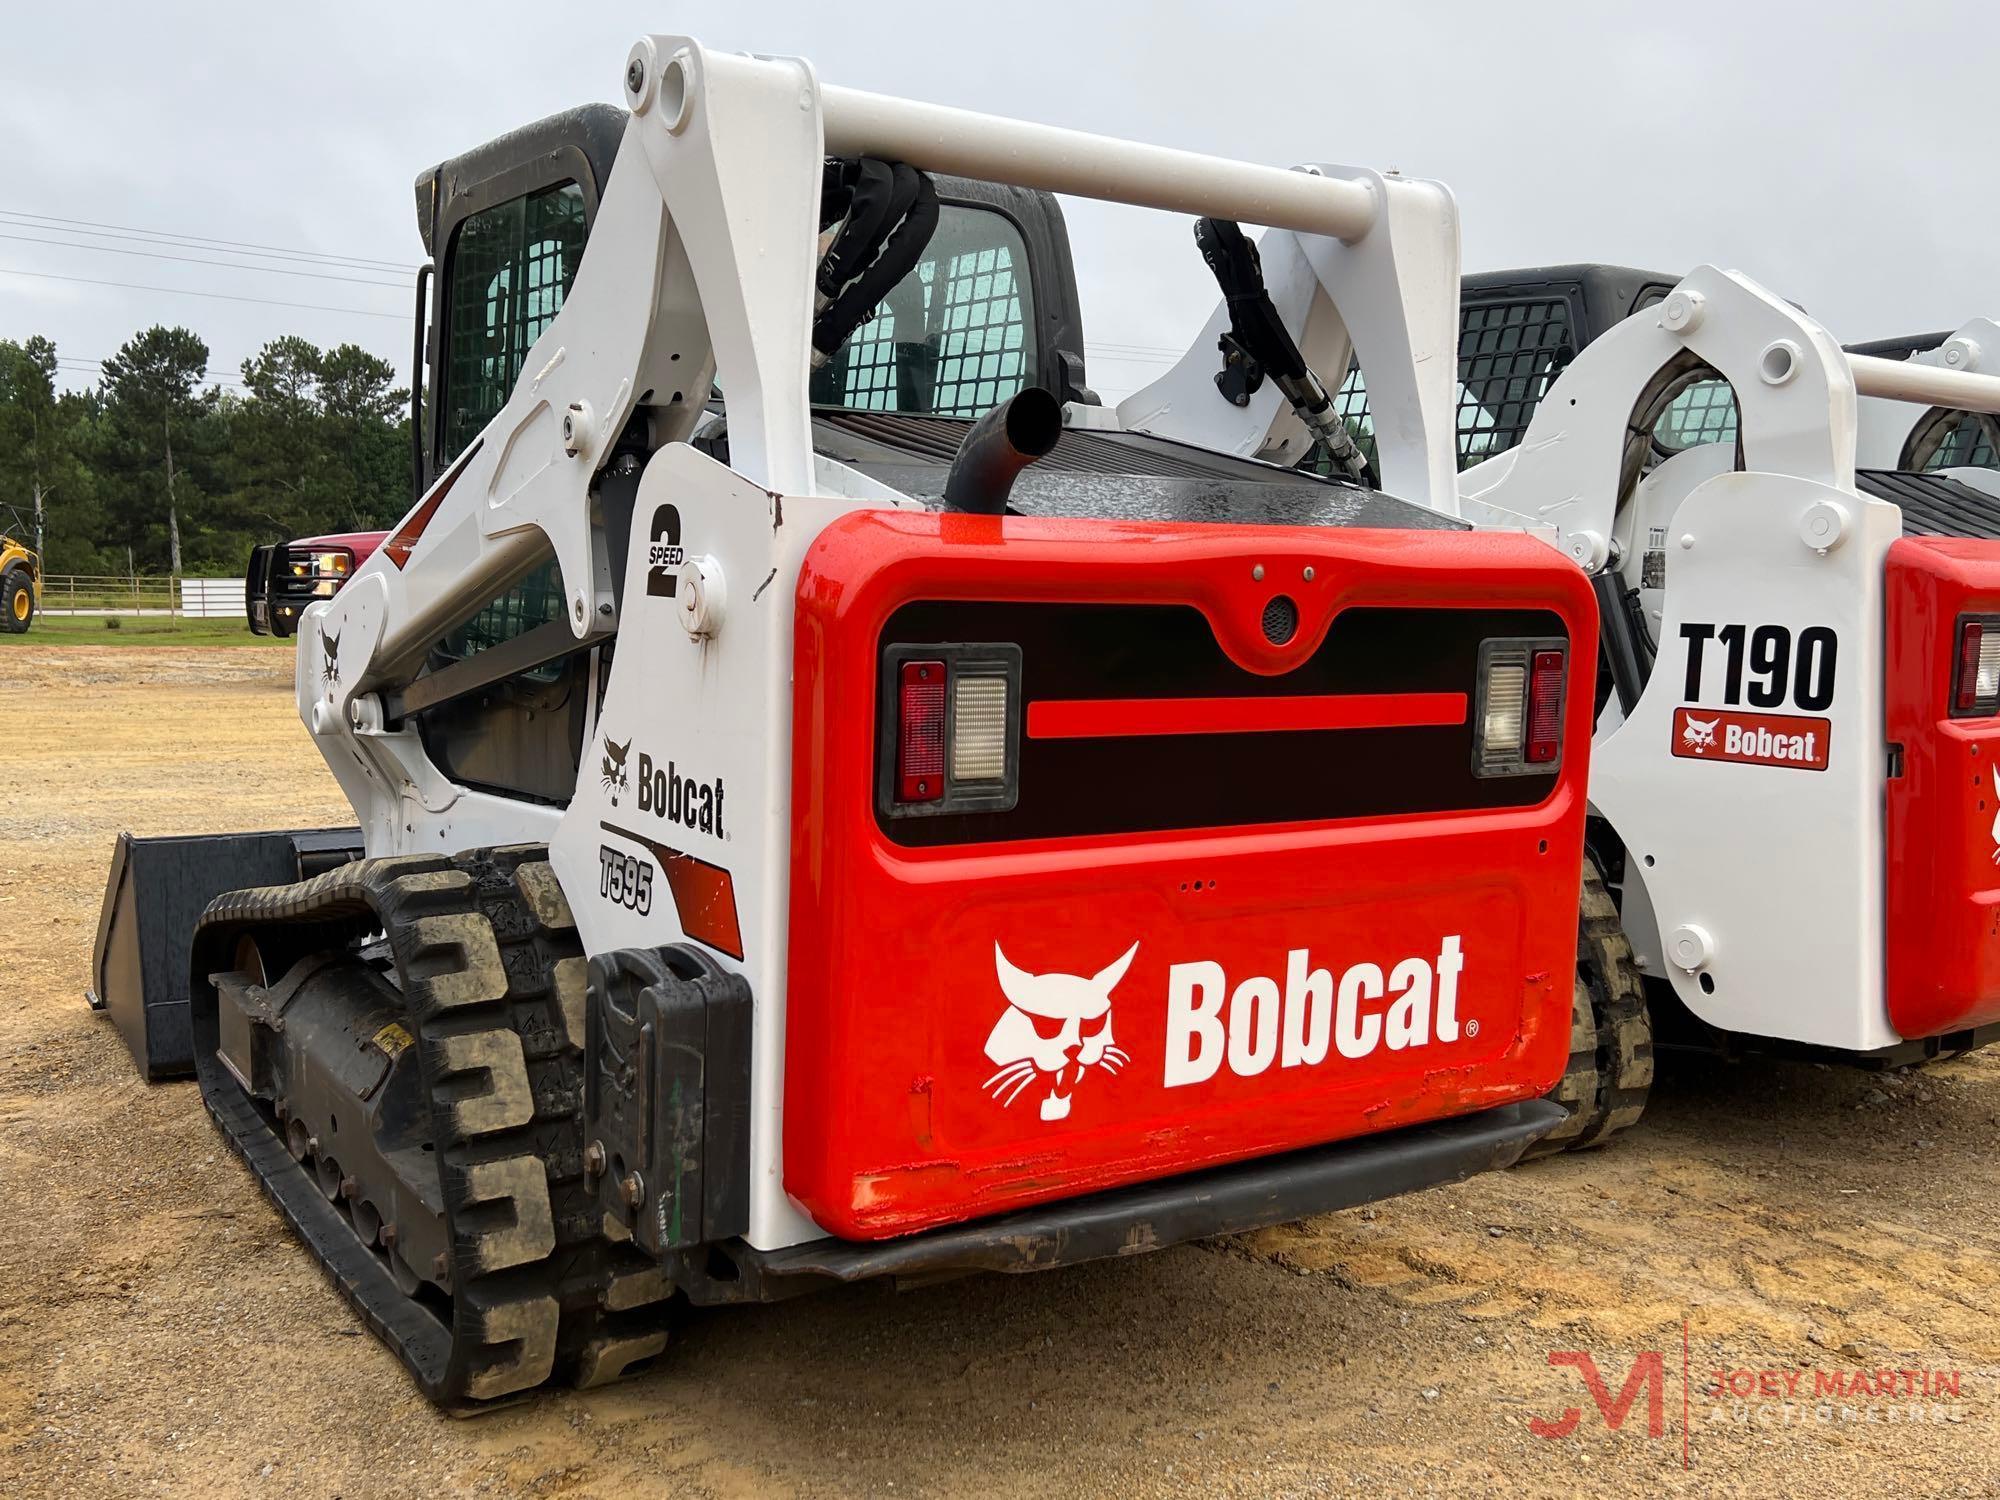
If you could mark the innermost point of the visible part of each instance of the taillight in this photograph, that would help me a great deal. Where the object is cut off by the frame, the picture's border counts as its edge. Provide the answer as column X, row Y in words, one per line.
column 1545, row 707
column 1975, row 690
column 979, row 718
column 920, row 733
column 954, row 742
column 1518, row 720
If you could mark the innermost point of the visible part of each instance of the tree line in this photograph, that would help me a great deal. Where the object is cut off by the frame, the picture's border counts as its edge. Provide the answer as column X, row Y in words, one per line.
column 154, row 470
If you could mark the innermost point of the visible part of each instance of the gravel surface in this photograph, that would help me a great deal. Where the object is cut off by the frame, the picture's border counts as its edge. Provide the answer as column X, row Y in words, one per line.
column 165, row 1335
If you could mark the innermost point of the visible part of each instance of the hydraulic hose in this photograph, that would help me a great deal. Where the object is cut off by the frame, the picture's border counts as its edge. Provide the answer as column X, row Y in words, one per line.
column 898, row 255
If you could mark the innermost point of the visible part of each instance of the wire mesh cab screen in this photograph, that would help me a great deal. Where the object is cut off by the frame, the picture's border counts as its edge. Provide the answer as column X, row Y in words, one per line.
column 1703, row 413
column 953, row 338
column 1509, row 354
column 1947, row 439
column 509, row 269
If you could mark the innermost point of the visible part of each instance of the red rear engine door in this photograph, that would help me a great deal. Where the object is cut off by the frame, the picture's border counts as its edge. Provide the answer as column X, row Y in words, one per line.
column 1943, row 811
column 1246, row 894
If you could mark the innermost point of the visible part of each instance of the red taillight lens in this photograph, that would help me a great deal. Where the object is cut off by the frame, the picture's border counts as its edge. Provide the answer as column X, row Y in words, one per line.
column 920, row 732
column 1545, row 703
column 1975, row 688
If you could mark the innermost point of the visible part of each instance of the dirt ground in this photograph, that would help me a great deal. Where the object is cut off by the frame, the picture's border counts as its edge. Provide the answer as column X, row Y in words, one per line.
column 160, row 1332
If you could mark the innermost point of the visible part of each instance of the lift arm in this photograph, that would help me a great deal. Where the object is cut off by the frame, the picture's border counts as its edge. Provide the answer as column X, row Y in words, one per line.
column 701, row 265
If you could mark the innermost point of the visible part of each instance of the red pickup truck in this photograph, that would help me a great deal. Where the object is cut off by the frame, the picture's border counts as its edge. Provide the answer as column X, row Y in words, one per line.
column 284, row 577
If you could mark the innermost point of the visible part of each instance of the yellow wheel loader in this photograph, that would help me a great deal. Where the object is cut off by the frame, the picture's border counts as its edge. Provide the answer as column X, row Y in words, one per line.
column 20, row 575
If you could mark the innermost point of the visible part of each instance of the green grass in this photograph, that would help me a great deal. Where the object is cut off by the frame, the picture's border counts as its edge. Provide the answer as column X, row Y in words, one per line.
column 139, row 630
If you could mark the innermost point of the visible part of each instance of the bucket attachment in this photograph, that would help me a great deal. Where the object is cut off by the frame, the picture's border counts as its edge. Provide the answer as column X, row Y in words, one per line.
column 156, row 890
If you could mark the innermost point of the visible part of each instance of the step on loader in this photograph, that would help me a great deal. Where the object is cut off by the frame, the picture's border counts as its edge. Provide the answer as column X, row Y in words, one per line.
column 831, row 805
column 1794, row 801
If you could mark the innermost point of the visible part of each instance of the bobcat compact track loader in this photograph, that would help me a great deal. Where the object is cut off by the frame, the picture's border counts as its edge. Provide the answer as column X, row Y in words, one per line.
column 808, row 838
column 1795, row 804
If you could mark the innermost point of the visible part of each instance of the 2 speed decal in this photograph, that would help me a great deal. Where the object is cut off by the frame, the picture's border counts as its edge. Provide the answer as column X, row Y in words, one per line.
column 665, row 555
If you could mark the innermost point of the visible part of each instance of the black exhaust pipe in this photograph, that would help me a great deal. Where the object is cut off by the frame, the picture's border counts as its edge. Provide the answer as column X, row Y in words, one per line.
column 1000, row 445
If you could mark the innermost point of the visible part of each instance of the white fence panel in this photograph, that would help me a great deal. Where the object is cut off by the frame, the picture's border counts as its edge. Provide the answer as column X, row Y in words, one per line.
column 212, row 598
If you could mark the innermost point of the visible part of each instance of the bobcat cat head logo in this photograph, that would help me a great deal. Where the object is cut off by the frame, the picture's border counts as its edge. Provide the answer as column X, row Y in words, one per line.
column 1996, row 816
column 329, row 646
column 1699, row 734
column 1056, row 1028
column 615, row 779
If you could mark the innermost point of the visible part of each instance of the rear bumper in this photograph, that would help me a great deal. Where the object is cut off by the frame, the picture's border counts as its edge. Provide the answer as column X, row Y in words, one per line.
column 1155, row 1215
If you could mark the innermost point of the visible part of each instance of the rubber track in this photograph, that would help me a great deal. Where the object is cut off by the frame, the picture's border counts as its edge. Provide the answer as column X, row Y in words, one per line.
column 1610, row 1070
column 494, row 981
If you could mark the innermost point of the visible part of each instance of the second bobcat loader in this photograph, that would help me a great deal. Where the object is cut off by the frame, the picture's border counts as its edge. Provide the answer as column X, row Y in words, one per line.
column 870, row 820
column 1795, row 830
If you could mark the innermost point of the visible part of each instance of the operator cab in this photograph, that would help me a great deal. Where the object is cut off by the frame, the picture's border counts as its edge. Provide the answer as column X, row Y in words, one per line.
column 989, row 309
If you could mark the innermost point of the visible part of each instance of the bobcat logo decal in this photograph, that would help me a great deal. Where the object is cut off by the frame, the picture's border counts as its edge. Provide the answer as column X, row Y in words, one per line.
column 1056, row 1028
column 615, row 779
column 1699, row 734
column 1996, row 817
column 329, row 646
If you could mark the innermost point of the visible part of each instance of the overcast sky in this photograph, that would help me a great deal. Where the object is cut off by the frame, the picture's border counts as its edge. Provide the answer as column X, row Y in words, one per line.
column 1838, row 152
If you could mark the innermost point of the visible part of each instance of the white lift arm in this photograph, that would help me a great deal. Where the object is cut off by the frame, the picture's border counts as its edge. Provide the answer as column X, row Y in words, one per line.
column 703, row 266
column 1755, row 889
column 1888, row 419
column 1795, row 391
column 700, row 266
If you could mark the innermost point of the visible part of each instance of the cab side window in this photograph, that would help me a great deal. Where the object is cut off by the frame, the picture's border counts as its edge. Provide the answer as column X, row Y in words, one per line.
column 510, row 267
column 1704, row 412
column 1509, row 354
column 520, row 736
column 1947, row 439
column 954, row 338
